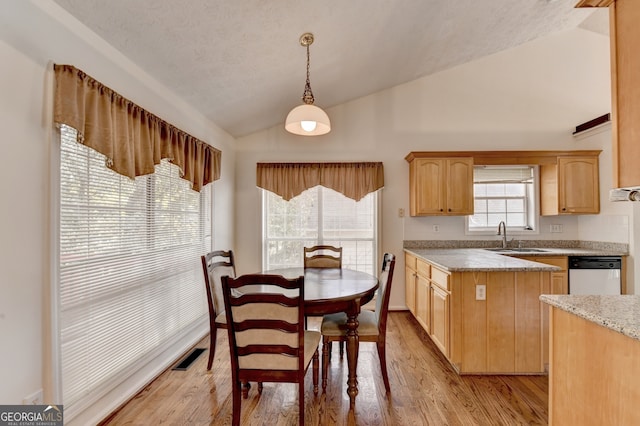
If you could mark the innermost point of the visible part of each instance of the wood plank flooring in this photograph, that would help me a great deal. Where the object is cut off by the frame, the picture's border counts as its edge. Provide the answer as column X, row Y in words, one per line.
column 425, row 390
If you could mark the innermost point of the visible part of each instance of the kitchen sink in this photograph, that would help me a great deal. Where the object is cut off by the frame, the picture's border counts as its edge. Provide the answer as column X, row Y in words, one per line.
column 516, row 250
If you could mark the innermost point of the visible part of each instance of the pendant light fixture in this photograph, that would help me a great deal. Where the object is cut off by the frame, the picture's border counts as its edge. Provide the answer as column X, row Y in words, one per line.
column 307, row 119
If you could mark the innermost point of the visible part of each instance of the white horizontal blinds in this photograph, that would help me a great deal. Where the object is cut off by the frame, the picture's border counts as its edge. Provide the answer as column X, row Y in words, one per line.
column 130, row 271
column 503, row 174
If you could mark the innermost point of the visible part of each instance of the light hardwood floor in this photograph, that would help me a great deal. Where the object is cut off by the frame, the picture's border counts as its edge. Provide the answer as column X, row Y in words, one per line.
column 424, row 391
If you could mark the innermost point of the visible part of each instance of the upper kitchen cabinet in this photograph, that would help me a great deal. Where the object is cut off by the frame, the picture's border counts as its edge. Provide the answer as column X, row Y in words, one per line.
column 624, row 33
column 570, row 186
column 440, row 186
column 625, row 80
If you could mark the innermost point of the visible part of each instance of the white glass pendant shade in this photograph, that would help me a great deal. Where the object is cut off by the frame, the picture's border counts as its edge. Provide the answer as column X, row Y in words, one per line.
column 308, row 120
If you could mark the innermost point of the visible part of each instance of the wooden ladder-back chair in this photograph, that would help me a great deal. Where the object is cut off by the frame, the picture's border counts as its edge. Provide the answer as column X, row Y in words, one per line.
column 267, row 337
column 372, row 325
column 323, row 256
column 216, row 264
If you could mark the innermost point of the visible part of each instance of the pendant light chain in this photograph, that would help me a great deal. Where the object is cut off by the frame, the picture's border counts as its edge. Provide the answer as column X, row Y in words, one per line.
column 307, row 96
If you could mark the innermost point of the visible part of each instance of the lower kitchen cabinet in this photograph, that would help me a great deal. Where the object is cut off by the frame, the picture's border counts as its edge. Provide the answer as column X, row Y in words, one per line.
column 440, row 318
column 504, row 333
column 410, row 278
column 423, row 305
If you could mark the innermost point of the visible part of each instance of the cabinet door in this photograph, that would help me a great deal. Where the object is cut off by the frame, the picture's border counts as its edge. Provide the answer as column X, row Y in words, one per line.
column 410, row 289
column 459, row 183
column 578, row 188
column 625, row 96
column 423, row 302
column 440, row 319
column 427, row 186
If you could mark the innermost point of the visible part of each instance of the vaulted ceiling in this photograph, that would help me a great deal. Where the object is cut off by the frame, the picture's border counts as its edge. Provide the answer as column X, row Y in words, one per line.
column 241, row 64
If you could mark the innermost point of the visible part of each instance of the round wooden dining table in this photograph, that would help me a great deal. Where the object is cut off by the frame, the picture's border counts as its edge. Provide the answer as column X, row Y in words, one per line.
column 331, row 290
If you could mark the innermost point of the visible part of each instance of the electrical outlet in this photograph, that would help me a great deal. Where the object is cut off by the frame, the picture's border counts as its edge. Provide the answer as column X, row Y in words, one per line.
column 555, row 228
column 35, row 398
column 436, row 228
column 400, row 212
column 481, row 292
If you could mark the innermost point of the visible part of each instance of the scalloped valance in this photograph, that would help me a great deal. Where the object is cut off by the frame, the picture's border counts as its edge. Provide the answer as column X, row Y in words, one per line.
column 353, row 180
column 133, row 139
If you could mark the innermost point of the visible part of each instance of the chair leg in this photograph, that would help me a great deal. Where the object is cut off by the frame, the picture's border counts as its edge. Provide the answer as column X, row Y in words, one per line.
column 212, row 346
column 326, row 347
column 236, row 403
column 341, row 349
column 260, row 388
column 383, row 363
column 245, row 390
column 316, row 368
column 301, row 403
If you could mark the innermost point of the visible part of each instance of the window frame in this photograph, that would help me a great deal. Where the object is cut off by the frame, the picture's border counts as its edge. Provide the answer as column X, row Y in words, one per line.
column 162, row 354
column 377, row 203
column 532, row 211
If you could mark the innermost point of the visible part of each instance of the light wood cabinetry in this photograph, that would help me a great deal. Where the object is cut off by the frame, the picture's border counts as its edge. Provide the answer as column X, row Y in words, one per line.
column 410, row 278
column 594, row 373
column 570, row 187
column 625, row 97
column 559, row 279
column 423, row 302
column 441, row 186
column 624, row 33
column 440, row 318
column 441, row 183
column 506, row 333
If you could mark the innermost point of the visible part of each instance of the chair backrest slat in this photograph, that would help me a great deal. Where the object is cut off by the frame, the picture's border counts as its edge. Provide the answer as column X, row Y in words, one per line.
column 323, row 256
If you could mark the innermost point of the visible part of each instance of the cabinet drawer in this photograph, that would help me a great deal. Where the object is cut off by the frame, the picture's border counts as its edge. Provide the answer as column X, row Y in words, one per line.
column 440, row 278
column 410, row 261
column 423, row 268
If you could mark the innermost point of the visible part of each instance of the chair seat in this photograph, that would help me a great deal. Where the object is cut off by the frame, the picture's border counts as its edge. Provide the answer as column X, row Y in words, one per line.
column 311, row 342
column 336, row 324
column 221, row 319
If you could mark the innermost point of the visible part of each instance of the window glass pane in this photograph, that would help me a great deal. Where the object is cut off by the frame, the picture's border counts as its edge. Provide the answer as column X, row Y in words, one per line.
column 320, row 216
column 514, row 189
column 479, row 190
column 515, row 219
column 495, row 190
column 480, row 206
column 515, row 205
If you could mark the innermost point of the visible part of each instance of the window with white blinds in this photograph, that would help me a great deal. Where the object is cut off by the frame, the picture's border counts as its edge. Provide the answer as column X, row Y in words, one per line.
column 503, row 193
column 130, row 277
column 320, row 216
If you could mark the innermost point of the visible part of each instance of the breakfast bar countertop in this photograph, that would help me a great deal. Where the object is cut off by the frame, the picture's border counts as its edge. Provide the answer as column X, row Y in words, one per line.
column 473, row 259
column 617, row 313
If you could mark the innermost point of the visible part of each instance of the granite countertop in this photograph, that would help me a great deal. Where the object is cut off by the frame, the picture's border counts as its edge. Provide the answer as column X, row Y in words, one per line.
column 465, row 260
column 617, row 313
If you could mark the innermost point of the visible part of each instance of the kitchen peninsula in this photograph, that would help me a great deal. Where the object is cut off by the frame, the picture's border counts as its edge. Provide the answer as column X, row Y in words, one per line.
column 594, row 360
column 481, row 308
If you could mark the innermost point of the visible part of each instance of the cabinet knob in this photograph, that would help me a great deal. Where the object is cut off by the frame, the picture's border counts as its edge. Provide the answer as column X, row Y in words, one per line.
column 441, row 210
column 449, row 209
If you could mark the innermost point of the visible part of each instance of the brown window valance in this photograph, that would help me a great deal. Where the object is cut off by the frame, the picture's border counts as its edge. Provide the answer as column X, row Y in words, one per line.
column 353, row 180
column 132, row 139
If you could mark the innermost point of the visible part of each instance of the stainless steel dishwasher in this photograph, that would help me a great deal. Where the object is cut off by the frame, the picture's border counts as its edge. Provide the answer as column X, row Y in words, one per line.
column 594, row 275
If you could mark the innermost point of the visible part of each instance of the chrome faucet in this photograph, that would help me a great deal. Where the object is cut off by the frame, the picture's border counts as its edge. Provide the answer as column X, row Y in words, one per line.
column 503, row 233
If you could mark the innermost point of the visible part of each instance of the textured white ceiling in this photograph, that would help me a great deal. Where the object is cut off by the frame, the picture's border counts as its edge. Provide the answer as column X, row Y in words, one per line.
column 241, row 64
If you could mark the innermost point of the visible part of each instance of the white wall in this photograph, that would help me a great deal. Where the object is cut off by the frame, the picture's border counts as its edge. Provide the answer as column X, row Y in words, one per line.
column 33, row 34
column 527, row 98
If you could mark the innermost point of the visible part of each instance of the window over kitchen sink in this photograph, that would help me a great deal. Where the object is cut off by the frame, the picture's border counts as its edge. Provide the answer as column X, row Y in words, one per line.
column 504, row 193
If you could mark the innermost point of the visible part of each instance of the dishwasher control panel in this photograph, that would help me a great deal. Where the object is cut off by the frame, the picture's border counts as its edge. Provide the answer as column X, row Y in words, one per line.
column 595, row 262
